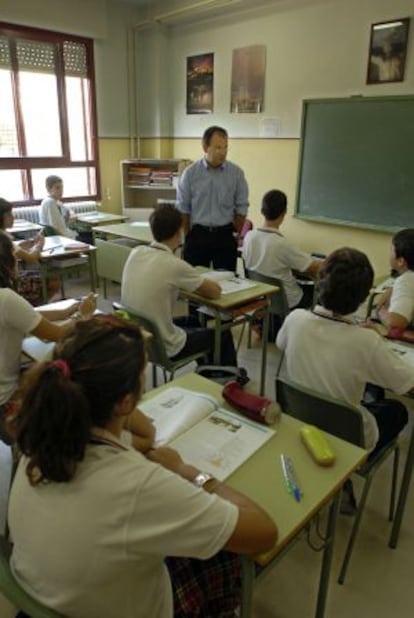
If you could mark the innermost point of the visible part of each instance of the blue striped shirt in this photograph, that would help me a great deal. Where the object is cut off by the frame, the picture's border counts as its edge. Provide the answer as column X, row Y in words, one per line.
column 212, row 196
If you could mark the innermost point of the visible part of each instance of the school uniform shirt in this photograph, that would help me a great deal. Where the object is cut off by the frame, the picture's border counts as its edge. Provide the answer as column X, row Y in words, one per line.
column 54, row 213
column 402, row 297
column 266, row 251
column 151, row 281
column 338, row 358
column 17, row 318
column 95, row 547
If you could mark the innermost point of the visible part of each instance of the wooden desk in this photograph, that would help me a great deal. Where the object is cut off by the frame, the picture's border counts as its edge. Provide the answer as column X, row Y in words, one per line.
column 137, row 230
column 56, row 248
column 96, row 218
column 261, row 479
column 238, row 305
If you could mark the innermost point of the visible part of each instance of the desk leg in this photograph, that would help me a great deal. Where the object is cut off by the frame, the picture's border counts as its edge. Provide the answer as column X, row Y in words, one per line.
column 402, row 498
column 92, row 269
column 265, row 336
column 217, row 339
column 43, row 280
column 248, row 574
column 327, row 556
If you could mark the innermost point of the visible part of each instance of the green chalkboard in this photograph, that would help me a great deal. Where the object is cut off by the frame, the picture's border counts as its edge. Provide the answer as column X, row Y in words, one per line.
column 356, row 163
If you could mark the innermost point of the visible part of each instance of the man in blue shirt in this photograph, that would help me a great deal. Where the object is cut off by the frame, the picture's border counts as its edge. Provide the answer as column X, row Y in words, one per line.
column 213, row 196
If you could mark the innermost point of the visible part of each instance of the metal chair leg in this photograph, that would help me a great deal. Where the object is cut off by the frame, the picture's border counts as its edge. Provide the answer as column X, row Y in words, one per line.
column 395, row 464
column 354, row 530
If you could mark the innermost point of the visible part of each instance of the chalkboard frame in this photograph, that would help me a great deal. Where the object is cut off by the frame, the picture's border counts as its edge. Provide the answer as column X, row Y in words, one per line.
column 316, row 216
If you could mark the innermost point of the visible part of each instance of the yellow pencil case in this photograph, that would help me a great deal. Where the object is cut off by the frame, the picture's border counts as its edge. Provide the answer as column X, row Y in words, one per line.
column 317, row 445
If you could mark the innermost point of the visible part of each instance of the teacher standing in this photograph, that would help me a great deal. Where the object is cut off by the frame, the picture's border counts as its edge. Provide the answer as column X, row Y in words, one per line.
column 214, row 197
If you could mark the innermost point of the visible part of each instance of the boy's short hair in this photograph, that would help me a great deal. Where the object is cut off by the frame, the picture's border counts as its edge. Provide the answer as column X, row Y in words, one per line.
column 165, row 221
column 208, row 134
column 52, row 180
column 274, row 204
column 345, row 279
column 403, row 242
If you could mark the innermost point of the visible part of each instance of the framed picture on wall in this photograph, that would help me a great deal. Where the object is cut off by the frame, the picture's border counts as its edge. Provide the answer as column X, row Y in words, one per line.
column 200, row 80
column 387, row 51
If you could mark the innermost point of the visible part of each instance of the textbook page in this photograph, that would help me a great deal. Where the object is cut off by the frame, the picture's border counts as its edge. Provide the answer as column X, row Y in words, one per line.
column 211, row 438
column 221, row 442
column 175, row 410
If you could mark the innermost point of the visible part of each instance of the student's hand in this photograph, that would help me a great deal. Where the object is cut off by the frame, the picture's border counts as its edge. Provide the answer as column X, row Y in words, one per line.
column 87, row 306
column 39, row 242
column 170, row 459
column 26, row 245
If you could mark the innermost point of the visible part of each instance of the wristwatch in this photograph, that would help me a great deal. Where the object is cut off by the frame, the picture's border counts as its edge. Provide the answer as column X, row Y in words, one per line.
column 201, row 479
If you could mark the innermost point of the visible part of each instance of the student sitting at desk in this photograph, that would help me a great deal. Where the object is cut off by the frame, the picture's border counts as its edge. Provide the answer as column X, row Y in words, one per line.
column 266, row 251
column 29, row 283
column 53, row 212
column 395, row 308
column 17, row 319
column 152, row 279
column 326, row 351
column 107, row 514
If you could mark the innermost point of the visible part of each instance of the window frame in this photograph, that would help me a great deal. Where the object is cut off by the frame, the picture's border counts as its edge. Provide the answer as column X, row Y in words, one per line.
column 26, row 163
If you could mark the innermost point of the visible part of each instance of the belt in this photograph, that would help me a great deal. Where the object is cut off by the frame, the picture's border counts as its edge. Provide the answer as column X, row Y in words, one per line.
column 214, row 228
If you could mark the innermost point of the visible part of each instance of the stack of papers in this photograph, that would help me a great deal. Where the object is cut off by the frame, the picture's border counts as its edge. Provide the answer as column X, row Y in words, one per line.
column 228, row 281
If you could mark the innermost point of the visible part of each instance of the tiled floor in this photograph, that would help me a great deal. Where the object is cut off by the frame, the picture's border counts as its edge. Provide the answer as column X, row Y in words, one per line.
column 379, row 582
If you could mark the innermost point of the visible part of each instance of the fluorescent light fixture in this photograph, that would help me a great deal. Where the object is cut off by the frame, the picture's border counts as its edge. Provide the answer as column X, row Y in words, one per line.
column 390, row 24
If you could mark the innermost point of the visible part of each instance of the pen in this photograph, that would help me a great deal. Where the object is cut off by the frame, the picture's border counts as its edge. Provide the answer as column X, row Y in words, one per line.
column 290, row 477
column 53, row 248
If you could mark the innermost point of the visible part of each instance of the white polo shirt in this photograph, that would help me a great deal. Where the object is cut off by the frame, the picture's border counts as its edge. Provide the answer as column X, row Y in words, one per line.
column 267, row 251
column 151, row 281
column 402, row 297
column 338, row 359
column 17, row 318
column 95, row 547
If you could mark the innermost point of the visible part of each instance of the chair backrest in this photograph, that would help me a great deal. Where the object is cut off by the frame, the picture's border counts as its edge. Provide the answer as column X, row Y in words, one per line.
column 14, row 593
column 110, row 259
column 278, row 301
column 156, row 349
column 329, row 414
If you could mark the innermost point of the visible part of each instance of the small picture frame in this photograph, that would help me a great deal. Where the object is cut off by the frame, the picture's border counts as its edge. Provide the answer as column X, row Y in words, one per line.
column 387, row 51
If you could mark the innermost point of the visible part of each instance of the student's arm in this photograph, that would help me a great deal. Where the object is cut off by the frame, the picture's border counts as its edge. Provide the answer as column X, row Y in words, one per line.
column 52, row 332
column 255, row 531
column 392, row 320
column 209, row 289
column 238, row 223
column 313, row 268
column 86, row 309
column 142, row 430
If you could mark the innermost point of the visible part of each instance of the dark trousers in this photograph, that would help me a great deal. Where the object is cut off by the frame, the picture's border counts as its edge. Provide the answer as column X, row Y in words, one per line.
column 200, row 338
column 211, row 246
column 391, row 417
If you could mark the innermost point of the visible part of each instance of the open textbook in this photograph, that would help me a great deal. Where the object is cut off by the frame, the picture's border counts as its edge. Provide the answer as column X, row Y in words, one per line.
column 228, row 281
column 206, row 436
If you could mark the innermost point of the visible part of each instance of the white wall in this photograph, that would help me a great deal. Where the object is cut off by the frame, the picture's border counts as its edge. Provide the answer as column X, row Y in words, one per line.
column 312, row 51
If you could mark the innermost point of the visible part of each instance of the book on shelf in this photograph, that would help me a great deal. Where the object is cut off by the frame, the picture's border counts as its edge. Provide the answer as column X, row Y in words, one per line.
column 207, row 436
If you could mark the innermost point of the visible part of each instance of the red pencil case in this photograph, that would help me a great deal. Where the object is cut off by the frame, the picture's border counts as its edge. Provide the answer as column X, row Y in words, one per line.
column 257, row 408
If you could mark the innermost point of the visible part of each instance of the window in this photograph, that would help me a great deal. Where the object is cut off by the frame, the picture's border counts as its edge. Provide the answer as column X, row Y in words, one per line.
column 47, row 114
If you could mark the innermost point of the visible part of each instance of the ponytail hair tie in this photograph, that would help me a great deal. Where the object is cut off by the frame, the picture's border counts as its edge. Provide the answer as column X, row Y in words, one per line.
column 62, row 366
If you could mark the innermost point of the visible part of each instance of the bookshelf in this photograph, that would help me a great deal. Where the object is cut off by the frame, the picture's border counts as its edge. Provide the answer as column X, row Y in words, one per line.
column 144, row 182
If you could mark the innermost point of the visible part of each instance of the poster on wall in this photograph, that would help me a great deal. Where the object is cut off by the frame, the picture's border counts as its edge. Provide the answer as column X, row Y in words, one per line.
column 387, row 51
column 248, row 79
column 200, row 82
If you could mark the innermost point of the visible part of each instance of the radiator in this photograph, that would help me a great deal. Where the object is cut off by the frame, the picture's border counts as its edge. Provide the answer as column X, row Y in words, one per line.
column 31, row 213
